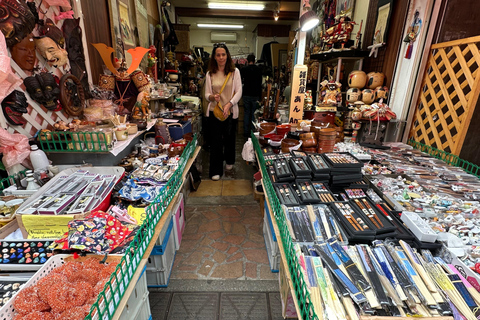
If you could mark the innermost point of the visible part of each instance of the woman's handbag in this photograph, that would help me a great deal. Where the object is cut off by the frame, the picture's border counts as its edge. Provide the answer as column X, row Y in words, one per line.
column 218, row 110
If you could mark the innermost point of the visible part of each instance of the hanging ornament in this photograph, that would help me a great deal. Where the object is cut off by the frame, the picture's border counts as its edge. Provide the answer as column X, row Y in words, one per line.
column 412, row 33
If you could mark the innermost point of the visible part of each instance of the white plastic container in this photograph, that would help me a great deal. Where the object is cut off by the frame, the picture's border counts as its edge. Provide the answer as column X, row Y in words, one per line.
column 419, row 227
column 38, row 158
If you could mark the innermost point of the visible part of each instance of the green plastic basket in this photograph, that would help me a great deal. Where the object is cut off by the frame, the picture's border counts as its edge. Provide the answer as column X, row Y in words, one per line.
column 302, row 294
column 108, row 300
column 66, row 141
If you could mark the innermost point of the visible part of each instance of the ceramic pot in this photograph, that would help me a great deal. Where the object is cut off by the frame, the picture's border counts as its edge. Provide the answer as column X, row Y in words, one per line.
column 357, row 79
column 368, row 96
column 381, row 93
column 353, row 95
column 375, row 79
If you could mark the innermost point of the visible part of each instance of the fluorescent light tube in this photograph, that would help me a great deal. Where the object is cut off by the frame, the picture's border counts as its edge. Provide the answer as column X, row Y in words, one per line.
column 236, row 6
column 224, row 26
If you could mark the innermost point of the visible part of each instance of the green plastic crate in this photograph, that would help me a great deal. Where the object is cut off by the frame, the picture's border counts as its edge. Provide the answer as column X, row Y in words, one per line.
column 66, row 141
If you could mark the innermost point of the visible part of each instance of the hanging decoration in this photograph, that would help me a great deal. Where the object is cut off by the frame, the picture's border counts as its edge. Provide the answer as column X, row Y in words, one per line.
column 412, row 33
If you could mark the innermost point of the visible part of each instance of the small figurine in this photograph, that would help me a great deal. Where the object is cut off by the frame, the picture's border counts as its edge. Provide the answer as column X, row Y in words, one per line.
column 332, row 96
column 141, row 109
column 192, row 86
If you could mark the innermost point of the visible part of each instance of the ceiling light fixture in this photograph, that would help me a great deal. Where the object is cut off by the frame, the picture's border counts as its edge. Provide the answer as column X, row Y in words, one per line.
column 309, row 19
column 236, row 6
column 220, row 26
column 275, row 15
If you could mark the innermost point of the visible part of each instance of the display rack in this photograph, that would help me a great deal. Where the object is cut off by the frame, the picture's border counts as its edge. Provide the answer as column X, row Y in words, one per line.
column 111, row 301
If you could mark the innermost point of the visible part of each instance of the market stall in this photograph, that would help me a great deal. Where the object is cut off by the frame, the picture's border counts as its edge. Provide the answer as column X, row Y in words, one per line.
column 370, row 239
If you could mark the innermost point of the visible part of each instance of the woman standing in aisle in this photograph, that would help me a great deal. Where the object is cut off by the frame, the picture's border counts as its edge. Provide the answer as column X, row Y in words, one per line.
column 223, row 89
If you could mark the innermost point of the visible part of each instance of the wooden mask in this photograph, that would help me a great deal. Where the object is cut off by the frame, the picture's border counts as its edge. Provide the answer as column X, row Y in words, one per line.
column 16, row 21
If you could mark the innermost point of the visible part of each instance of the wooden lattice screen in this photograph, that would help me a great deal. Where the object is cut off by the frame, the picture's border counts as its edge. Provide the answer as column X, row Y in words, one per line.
column 450, row 90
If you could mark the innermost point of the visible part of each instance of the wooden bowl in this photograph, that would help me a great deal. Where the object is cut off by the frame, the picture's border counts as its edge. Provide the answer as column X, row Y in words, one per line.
column 266, row 128
column 289, row 143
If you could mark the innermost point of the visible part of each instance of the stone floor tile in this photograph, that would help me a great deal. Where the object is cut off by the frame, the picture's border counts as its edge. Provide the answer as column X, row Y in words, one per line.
column 255, row 237
column 238, row 229
column 232, row 250
column 267, row 274
column 227, row 226
column 229, row 212
column 210, row 226
column 206, row 267
column 251, row 244
column 228, row 271
column 234, row 239
column 194, row 259
column 205, row 242
column 256, row 255
column 192, row 236
column 219, row 257
column 184, row 275
column 206, row 249
column 235, row 257
column 187, row 268
column 188, row 246
column 210, row 215
column 251, row 270
column 222, row 246
column 216, row 235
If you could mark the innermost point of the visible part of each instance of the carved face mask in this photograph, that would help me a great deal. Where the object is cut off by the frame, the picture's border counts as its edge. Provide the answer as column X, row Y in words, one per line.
column 43, row 89
column 16, row 21
column 23, row 53
column 51, row 51
column 13, row 106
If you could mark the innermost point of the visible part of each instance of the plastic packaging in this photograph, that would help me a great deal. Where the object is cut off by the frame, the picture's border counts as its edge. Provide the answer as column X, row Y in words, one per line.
column 38, row 158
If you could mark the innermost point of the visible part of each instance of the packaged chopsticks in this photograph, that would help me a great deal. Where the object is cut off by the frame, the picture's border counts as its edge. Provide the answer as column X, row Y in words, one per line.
column 380, row 222
column 324, row 224
column 299, row 224
column 325, row 195
column 307, row 192
column 356, row 225
column 300, row 168
column 282, row 171
column 286, row 194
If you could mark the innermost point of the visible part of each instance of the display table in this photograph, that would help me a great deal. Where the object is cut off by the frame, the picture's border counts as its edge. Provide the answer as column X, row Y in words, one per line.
column 151, row 244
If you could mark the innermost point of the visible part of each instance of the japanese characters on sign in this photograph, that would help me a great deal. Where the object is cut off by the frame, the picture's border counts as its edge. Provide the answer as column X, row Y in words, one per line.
column 299, row 84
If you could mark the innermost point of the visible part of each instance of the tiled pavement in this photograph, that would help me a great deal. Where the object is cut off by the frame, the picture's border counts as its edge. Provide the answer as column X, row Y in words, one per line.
column 223, row 242
column 221, row 270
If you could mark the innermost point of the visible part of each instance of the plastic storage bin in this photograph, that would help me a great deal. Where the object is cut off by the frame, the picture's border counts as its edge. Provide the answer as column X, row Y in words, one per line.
column 163, row 232
column 177, row 130
column 138, row 305
column 178, row 220
column 273, row 250
column 160, row 262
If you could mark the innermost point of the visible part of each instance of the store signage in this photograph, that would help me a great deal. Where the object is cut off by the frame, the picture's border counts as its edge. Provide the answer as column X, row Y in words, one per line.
column 299, row 87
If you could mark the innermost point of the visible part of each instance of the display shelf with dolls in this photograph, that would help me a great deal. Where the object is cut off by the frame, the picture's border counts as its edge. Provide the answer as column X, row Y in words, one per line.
column 369, row 112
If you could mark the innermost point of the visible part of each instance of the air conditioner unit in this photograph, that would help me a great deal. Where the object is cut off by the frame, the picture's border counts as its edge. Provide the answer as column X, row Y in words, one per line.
column 216, row 36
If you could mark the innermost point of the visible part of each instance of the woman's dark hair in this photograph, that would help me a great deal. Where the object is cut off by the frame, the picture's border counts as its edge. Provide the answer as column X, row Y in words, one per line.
column 212, row 65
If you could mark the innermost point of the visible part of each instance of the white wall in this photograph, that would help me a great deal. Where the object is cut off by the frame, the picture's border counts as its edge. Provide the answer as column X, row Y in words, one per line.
column 201, row 38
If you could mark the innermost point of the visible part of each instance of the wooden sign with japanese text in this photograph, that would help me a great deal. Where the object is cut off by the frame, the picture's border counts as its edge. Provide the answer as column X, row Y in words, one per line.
column 299, row 87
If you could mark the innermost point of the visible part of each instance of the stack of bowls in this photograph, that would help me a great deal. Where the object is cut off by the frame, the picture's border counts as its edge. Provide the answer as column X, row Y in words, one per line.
column 309, row 142
column 283, row 129
column 326, row 141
